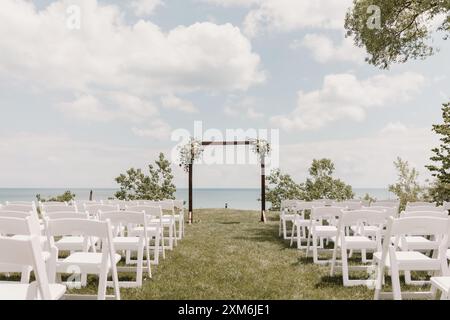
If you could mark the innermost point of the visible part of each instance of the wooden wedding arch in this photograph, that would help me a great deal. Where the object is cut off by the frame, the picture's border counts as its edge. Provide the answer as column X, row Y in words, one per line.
column 229, row 143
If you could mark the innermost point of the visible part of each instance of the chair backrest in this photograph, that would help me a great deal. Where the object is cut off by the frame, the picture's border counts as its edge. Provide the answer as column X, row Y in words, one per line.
column 123, row 217
column 84, row 227
column 121, row 203
column 19, row 226
column 326, row 213
column 179, row 204
column 94, row 209
column 15, row 214
column 66, row 215
column 52, row 203
column 59, row 208
column 388, row 211
column 19, row 207
column 420, row 204
column 352, row 204
column 424, row 208
column 289, row 204
column 27, row 203
column 387, row 203
column 167, row 205
column 27, row 252
column 429, row 213
column 366, row 217
column 155, row 212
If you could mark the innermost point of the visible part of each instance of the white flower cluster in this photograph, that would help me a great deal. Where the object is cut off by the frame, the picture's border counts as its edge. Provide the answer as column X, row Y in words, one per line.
column 190, row 152
column 261, row 147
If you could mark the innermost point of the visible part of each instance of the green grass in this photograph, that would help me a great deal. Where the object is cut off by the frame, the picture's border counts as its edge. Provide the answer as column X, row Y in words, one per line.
column 229, row 255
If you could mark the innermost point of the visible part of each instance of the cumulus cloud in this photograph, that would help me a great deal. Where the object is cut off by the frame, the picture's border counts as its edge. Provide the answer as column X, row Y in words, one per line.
column 324, row 50
column 366, row 161
column 145, row 7
column 157, row 129
column 173, row 102
column 245, row 107
column 345, row 97
column 232, row 3
column 115, row 69
column 288, row 15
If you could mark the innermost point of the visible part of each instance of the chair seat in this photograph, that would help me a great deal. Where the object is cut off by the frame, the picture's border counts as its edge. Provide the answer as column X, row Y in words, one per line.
column 88, row 262
column 123, row 243
column 442, row 283
column 416, row 243
column 359, row 242
column 368, row 230
column 70, row 243
column 19, row 291
column 411, row 260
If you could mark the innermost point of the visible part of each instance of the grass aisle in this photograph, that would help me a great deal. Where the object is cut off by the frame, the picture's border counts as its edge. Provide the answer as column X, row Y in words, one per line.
column 230, row 255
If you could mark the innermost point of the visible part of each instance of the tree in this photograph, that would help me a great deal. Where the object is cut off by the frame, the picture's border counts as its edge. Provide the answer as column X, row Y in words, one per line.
column 440, row 189
column 396, row 31
column 65, row 197
column 158, row 185
column 407, row 188
column 280, row 187
column 322, row 185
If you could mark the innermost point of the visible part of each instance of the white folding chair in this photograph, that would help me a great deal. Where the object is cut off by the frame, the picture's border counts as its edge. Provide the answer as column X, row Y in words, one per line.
column 395, row 260
column 179, row 217
column 130, row 243
column 155, row 230
column 168, row 221
column 300, row 223
column 26, row 252
column 101, row 263
column 318, row 230
column 18, row 225
column 287, row 215
column 93, row 210
column 347, row 240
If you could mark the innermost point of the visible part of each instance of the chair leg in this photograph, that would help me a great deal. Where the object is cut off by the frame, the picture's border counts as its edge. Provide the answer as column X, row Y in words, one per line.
column 284, row 229
column 345, row 276
column 395, row 278
column 292, row 234
column 333, row 262
column 157, row 243
column 299, row 238
column 102, row 283
column 140, row 262
column 315, row 253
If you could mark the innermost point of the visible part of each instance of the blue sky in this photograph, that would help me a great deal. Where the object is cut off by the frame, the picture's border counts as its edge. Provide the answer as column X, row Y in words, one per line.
column 81, row 106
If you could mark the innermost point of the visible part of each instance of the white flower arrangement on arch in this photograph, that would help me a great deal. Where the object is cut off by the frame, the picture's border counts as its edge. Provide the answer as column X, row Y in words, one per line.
column 261, row 147
column 190, row 152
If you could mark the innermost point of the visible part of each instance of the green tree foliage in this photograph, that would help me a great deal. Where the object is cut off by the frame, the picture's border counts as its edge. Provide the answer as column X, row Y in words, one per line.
column 396, row 31
column 440, row 189
column 407, row 188
column 322, row 184
column 158, row 185
column 65, row 197
column 281, row 186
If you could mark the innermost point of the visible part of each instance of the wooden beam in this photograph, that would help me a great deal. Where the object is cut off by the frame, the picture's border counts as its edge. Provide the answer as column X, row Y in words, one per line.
column 226, row 143
column 191, row 210
column 263, row 189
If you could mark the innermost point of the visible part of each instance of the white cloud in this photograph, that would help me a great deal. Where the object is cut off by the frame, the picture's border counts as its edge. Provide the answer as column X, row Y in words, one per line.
column 324, row 50
column 145, row 7
column 394, row 128
column 108, row 57
column 112, row 106
column 366, row 161
column 245, row 107
column 290, row 15
column 232, row 3
column 344, row 97
column 158, row 130
column 173, row 102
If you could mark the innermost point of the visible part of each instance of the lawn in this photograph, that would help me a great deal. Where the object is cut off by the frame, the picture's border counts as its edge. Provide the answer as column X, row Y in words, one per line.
column 228, row 254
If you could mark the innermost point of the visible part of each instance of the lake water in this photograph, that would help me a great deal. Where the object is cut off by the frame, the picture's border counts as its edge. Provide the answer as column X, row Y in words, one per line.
column 203, row 198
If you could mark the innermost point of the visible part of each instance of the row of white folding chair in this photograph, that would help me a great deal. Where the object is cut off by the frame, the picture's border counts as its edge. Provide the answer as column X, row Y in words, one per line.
column 34, row 229
column 394, row 259
column 21, row 248
column 83, row 262
column 290, row 211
